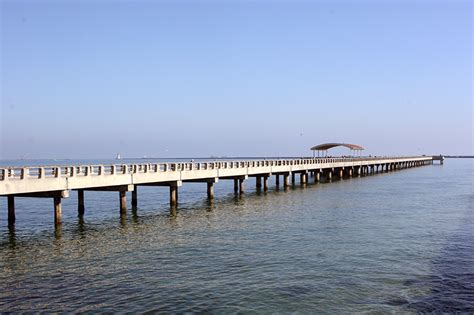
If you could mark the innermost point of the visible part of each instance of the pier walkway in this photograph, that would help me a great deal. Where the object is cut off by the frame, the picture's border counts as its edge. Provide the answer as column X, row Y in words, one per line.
column 56, row 182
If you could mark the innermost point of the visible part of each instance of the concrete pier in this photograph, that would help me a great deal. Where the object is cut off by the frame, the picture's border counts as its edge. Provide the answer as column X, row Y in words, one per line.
column 80, row 202
column 57, row 210
column 286, row 180
column 241, row 185
column 123, row 200
column 265, row 182
column 57, row 181
column 210, row 190
column 11, row 210
column 135, row 196
column 303, row 178
column 317, row 177
column 173, row 195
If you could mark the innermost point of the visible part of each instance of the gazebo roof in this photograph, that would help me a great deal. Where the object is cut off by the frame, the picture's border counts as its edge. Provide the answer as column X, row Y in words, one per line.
column 327, row 146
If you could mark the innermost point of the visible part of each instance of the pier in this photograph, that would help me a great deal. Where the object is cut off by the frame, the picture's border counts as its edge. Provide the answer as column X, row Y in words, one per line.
column 57, row 182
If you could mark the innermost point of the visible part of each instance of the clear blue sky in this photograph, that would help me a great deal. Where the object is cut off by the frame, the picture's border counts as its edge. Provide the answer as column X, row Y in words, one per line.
column 88, row 79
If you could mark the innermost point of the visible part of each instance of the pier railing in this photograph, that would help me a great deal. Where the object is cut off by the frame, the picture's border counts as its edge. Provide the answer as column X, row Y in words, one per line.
column 39, row 172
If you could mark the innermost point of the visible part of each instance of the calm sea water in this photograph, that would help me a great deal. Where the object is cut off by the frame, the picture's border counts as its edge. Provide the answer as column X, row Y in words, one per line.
column 396, row 242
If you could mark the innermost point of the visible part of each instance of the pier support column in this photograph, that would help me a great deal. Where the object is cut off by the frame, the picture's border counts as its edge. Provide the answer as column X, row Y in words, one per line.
column 286, row 180
column 241, row 185
column 210, row 190
column 350, row 172
column 57, row 210
column 303, row 178
column 317, row 177
column 329, row 175
column 359, row 171
column 11, row 210
column 236, row 185
column 277, row 180
column 173, row 195
column 80, row 203
column 293, row 178
column 258, row 182
column 265, row 183
column 341, row 174
column 135, row 196
column 123, row 201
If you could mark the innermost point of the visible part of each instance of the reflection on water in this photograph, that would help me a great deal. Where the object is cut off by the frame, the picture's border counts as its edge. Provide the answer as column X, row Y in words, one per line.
column 399, row 242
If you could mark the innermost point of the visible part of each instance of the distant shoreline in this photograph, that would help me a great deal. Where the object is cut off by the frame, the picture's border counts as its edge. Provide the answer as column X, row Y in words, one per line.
column 459, row 156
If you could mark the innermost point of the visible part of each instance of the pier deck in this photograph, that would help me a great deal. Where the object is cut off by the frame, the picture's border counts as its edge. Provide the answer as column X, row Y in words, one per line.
column 57, row 181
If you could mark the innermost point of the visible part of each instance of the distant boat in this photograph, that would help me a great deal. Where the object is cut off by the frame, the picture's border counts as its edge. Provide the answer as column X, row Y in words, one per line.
column 119, row 157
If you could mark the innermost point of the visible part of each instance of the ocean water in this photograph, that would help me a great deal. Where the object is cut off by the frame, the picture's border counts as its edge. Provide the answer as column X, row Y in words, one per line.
column 392, row 242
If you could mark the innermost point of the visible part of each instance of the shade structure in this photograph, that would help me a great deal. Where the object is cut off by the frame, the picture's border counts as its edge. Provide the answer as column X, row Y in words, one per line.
column 326, row 146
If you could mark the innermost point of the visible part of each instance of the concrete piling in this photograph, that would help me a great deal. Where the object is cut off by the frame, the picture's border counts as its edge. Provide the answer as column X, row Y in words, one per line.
column 80, row 203
column 286, row 180
column 236, row 185
column 135, row 196
column 210, row 190
column 265, row 183
column 11, row 210
column 57, row 210
column 303, row 178
column 123, row 200
column 173, row 195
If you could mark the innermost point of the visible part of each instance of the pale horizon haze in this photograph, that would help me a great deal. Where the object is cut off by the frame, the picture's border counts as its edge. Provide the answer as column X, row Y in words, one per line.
column 90, row 79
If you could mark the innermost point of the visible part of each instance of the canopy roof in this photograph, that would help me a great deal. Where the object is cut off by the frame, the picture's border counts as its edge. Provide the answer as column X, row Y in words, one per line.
column 327, row 146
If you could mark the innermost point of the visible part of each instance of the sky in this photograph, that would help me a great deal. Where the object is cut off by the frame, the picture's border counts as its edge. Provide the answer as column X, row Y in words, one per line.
column 90, row 79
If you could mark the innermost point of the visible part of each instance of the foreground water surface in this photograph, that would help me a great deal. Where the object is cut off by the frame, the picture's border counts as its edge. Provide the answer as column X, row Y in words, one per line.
column 400, row 241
